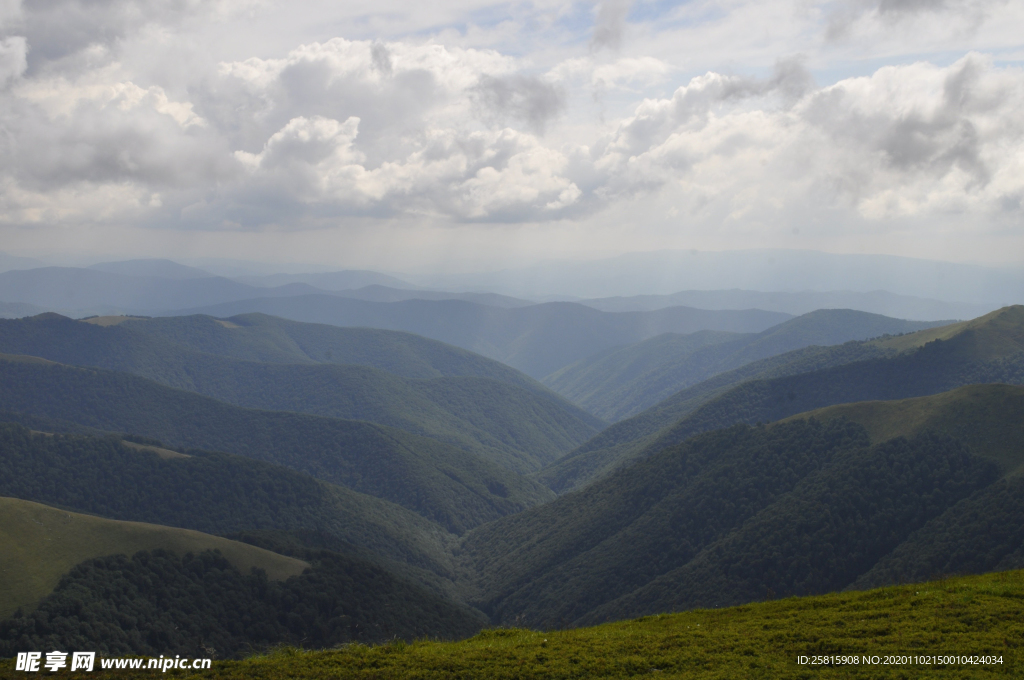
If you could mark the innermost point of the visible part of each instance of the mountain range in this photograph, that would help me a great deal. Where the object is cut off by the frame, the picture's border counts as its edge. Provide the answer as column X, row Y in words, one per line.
column 624, row 381
column 384, row 377
column 799, row 303
column 987, row 349
column 537, row 340
column 397, row 486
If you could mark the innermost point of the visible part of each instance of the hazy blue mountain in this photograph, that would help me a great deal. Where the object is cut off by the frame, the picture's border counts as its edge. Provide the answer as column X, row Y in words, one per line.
column 348, row 279
column 875, row 302
column 498, row 413
column 377, row 293
column 9, row 262
column 164, row 269
column 987, row 349
column 99, row 292
column 622, row 382
column 666, row 271
column 18, row 310
column 537, row 340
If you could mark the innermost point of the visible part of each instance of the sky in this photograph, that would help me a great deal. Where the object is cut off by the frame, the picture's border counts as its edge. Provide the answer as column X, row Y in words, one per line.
column 464, row 135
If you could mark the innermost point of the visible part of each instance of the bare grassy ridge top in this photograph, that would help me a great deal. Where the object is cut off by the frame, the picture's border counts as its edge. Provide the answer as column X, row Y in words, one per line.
column 990, row 418
column 979, row 615
column 41, row 543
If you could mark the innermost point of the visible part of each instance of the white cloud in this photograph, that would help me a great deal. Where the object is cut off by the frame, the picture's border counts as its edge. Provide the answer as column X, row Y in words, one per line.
column 101, row 119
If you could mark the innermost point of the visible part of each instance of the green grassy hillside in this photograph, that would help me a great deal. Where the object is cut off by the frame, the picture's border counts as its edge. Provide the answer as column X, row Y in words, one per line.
column 468, row 401
column 42, row 543
column 989, row 418
column 978, row 616
column 221, row 494
column 625, row 381
column 988, row 349
column 443, row 483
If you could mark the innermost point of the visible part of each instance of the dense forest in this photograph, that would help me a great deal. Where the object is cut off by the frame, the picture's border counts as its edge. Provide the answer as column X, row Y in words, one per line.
column 443, row 483
column 158, row 603
column 772, row 484
column 479, row 405
column 726, row 517
column 211, row 492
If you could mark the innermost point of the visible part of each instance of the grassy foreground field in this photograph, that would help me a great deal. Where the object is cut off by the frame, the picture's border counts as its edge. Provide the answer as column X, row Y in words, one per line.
column 979, row 615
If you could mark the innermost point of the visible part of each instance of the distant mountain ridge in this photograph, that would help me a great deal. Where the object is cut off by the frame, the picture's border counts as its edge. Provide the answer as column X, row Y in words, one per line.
column 102, row 292
column 159, row 268
column 987, row 349
column 625, row 381
column 536, row 340
column 377, row 293
column 875, row 302
column 347, row 279
column 663, row 272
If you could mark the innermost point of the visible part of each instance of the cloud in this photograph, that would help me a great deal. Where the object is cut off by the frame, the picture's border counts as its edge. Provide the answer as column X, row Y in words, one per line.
column 409, row 129
column 908, row 142
column 843, row 17
column 610, row 24
column 60, row 31
column 12, row 59
column 519, row 99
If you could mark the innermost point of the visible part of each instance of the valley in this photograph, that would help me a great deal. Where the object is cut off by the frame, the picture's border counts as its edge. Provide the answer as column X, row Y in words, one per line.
column 835, row 451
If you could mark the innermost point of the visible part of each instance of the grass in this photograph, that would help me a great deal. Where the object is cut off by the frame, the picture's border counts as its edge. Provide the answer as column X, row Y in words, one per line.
column 989, row 418
column 1001, row 332
column 41, row 543
column 978, row 615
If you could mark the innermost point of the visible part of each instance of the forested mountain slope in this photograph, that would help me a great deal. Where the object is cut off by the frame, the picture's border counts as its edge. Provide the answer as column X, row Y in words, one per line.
column 201, row 606
column 625, row 381
column 738, row 514
column 512, row 422
column 987, row 349
column 71, row 580
column 443, row 483
column 217, row 493
column 537, row 340
column 41, row 543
